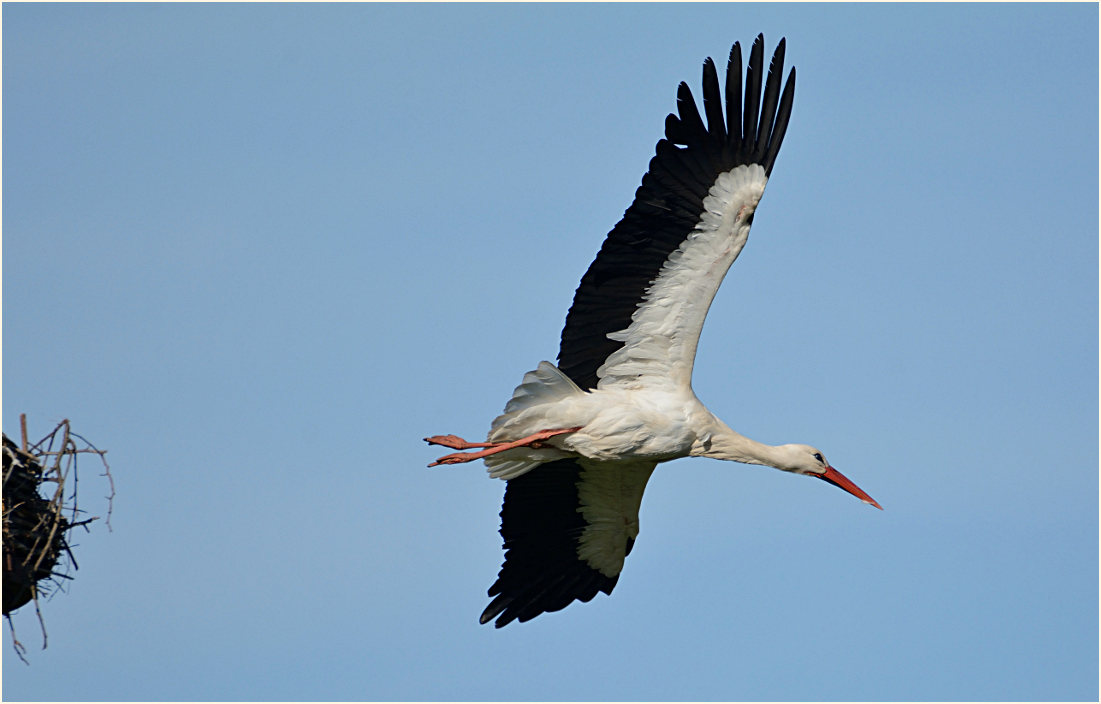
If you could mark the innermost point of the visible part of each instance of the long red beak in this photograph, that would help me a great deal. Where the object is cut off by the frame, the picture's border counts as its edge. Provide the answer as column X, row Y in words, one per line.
column 838, row 479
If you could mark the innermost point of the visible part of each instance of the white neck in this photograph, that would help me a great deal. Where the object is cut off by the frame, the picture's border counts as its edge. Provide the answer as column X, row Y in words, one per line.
column 722, row 443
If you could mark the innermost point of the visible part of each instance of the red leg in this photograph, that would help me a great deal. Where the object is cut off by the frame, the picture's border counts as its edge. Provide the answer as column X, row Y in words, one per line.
column 455, row 442
column 493, row 448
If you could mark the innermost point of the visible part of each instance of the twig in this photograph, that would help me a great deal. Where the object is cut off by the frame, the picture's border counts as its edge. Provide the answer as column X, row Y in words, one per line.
column 20, row 649
column 106, row 473
column 41, row 621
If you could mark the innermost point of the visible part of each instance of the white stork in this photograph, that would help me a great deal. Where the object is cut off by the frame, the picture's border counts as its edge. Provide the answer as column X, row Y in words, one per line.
column 578, row 441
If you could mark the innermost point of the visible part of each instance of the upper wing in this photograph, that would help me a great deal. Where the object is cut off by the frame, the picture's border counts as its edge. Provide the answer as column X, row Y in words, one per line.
column 567, row 526
column 638, row 312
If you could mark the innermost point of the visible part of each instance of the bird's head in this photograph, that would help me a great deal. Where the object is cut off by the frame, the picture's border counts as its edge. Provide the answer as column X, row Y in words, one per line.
column 804, row 459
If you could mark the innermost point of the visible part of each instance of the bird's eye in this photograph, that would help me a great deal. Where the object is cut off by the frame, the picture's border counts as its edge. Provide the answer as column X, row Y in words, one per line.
column 818, row 456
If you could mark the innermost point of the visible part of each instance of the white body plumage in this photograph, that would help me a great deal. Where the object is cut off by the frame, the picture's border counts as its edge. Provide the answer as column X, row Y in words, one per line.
column 643, row 407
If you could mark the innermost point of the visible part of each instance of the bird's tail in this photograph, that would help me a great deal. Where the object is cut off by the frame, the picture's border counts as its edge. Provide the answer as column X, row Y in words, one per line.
column 540, row 389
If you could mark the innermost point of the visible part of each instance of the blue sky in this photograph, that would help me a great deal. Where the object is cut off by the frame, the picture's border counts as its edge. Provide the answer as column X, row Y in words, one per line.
column 258, row 252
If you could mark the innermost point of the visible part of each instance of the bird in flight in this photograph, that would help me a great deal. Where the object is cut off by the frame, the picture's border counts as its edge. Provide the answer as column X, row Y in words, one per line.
column 578, row 441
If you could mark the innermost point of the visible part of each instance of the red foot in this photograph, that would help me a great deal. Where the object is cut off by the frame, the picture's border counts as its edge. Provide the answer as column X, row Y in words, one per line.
column 455, row 442
column 492, row 448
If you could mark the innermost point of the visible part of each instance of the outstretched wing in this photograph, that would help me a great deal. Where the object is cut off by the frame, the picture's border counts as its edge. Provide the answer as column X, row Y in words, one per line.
column 567, row 525
column 639, row 310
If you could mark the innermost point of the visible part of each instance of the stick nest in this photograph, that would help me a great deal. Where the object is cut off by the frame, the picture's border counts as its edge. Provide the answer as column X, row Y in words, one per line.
column 39, row 512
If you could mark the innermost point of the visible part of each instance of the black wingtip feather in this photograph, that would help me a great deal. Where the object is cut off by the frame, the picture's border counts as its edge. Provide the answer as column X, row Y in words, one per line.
column 673, row 130
column 734, row 96
column 768, row 103
column 690, row 118
column 753, row 91
column 781, row 126
column 712, row 103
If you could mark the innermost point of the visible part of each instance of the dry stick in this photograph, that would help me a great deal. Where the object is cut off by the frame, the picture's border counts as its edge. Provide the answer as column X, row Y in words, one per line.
column 41, row 621
column 20, row 649
column 58, row 499
column 106, row 473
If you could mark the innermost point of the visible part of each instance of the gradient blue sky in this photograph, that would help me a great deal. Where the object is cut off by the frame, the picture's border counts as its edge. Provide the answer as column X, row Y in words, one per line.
column 258, row 252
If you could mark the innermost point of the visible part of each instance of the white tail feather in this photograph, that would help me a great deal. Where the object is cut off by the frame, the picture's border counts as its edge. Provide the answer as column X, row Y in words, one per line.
column 503, row 468
column 546, row 384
